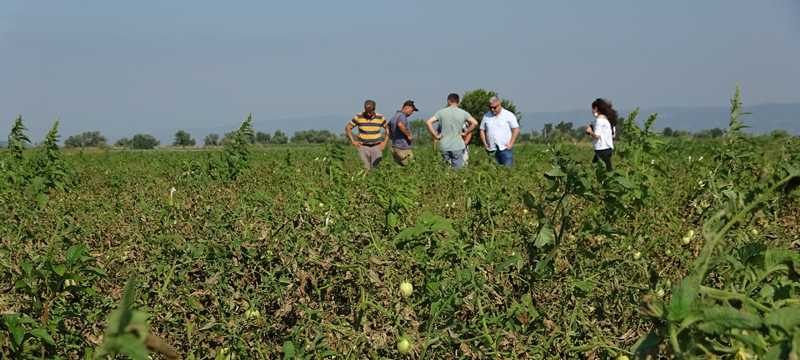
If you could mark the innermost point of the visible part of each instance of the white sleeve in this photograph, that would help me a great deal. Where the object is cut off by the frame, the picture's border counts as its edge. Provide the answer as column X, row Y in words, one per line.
column 512, row 121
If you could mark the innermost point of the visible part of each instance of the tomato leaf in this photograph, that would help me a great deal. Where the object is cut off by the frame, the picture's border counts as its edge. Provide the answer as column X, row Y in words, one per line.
column 43, row 335
column 683, row 298
column 786, row 318
column 545, row 236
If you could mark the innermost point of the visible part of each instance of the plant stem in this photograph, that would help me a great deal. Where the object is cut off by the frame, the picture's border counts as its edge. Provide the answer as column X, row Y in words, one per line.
column 727, row 295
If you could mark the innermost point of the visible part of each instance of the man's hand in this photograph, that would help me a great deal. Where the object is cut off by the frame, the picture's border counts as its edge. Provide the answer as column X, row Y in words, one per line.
column 437, row 137
column 357, row 144
column 509, row 146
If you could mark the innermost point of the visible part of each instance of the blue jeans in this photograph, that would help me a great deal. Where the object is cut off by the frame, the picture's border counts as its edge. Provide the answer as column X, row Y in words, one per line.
column 504, row 157
column 454, row 158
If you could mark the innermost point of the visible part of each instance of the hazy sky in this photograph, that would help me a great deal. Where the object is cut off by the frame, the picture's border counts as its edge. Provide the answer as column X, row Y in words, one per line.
column 124, row 67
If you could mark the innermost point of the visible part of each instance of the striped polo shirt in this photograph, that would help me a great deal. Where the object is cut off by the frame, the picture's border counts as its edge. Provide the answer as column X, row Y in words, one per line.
column 370, row 131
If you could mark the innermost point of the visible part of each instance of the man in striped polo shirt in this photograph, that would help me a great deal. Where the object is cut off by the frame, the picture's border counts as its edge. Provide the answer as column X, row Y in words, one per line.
column 372, row 135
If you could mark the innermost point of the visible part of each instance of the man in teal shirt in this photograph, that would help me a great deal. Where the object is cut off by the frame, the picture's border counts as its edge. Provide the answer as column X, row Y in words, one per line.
column 451, row 136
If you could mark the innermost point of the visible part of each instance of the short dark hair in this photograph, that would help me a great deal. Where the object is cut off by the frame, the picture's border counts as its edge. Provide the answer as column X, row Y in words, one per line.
column 453, row 97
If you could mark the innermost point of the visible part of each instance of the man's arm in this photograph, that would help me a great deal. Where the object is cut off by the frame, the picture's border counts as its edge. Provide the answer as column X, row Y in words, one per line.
column 385, row 135
column 472, row 124
column 403, row 129
column 514, row 134
column 429, row 125
column 483, row 139
column 348, row 130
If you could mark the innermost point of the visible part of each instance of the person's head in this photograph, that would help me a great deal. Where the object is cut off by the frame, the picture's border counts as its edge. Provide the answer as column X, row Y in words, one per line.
column 453, row 99
column 409, row 108
column 495, row 105
column 604, row 107
column 369, row 107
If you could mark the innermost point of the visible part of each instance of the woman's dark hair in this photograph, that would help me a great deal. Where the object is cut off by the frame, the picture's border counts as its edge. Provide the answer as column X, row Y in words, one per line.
column 604, row 107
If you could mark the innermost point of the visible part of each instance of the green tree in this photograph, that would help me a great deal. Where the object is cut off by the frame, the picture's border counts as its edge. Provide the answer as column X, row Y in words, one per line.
column 183, row 138
column 668, row 132
column 279, row 137
column 211, row 140
column 86, row 139
column 476, row 102
column 123, row 143
column 547, row 131
column 229, row 136
column 710, row 133
column 144, row 142
column 263, row 138
column 779, row 134
column 419, row 131
column 315, row 137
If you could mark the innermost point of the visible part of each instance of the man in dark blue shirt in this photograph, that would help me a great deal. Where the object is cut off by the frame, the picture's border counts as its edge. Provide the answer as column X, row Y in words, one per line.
column 400, row 133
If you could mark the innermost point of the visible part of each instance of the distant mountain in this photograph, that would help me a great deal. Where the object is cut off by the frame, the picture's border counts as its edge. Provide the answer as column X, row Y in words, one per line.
column 763, row 118
column 3, row 144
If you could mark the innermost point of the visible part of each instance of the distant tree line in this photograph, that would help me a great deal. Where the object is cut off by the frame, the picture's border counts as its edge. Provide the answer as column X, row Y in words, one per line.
column 259, row 137
column 475, row 102
column 558, row 132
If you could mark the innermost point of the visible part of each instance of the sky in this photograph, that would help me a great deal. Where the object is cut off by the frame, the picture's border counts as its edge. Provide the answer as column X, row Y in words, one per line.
column 148, row 66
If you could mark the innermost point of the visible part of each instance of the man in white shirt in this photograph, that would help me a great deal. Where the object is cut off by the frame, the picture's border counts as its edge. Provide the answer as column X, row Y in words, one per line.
column 499, row 131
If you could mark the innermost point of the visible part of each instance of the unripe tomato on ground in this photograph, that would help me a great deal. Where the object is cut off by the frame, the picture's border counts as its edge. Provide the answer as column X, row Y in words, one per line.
column 404, row 346
column 406, row 289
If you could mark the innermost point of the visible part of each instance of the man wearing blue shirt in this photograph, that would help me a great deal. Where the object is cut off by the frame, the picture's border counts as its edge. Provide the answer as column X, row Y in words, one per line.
column 400, row 133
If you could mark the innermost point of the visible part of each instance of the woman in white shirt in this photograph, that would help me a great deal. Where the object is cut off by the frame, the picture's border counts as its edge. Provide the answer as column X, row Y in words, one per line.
column 602, row 131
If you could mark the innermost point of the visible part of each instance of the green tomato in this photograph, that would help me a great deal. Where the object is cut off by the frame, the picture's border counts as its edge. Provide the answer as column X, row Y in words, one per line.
column 688, row 238
column 404, row 346
column 406, row 289
column 251, row 314
column 637, row 255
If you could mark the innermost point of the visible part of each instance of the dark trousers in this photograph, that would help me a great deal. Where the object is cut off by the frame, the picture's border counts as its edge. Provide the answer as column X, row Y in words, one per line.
column 605, row 156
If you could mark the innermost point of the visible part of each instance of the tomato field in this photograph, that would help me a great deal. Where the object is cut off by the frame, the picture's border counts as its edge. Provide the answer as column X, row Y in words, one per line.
column 687, row 249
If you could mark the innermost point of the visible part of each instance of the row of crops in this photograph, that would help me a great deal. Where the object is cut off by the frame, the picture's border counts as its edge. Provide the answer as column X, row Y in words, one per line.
column 688, row 249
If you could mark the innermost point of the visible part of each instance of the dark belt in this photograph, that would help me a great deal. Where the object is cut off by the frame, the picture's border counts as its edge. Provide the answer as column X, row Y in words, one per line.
column 370, row 144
